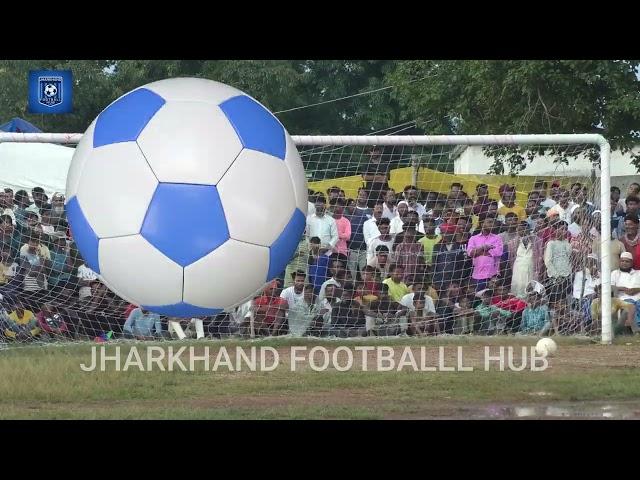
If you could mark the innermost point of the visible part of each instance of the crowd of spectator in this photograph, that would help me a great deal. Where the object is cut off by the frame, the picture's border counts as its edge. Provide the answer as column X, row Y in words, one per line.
column 385, row 263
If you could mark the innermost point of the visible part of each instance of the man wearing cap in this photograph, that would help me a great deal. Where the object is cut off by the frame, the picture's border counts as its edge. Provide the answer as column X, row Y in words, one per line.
column 626, row 286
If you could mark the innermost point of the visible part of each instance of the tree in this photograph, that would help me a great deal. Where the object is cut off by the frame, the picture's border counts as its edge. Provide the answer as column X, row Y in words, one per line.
column 524, row 96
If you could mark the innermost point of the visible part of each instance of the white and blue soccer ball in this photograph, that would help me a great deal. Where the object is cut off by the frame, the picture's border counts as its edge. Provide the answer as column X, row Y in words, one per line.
column 186, row 196
column 50, row 90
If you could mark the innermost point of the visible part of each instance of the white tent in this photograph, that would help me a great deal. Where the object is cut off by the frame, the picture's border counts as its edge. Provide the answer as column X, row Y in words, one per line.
column 27, row 165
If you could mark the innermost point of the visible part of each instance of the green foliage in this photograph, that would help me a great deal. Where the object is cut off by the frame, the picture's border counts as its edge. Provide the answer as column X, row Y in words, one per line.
column 441, row 97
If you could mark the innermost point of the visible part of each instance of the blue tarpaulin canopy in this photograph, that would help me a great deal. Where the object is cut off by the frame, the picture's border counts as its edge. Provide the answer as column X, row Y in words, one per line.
column 18, row 125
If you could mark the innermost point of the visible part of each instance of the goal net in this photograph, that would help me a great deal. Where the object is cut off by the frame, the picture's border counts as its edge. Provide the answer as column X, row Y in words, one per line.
column 406, row 235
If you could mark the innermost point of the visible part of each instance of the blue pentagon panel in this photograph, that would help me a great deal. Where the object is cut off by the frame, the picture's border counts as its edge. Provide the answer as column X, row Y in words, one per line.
column 185, row 222
column 257, row 128
column 84, row 236
column 182, row 310
column 124, row 119
column 285, row 245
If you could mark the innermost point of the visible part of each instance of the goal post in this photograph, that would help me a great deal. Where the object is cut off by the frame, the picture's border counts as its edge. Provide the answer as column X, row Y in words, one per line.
column 329, row 158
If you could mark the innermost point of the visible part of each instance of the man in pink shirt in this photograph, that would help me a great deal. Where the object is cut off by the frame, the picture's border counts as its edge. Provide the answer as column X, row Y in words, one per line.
column 485, row 249
column 343, row 224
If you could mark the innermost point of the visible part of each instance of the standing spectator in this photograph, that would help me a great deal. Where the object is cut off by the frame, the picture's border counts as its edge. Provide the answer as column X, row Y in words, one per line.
column 348, row 319
column 142, row 325
column 422, row 316
column 450, row 263
column 425, row 287
column 411, row 197
column 389, row 209
column 526, row 258
column 511, row 225
column 510, row 206
column 343, row 226
column 376, row 176
column 321, row 322
column 6, row 206
column 633, row 209
column 322, row 225
column 482, row 201
column 557, row 259
column 632, row 191
column 561, row 209
column 578, row 217
column 503, row 191
column 58, row 219
column 436, row 212
column 300, row 261
column 357, row 258
column 370, row 227
column 467, row 211
column 409, row 254
column 40, row 199
column 486, row 250
column 385, row 238
column 369, row 289
column 626, row 284
column 547, row 202
column 318, row 265
column 10, row 237
column 429, row 241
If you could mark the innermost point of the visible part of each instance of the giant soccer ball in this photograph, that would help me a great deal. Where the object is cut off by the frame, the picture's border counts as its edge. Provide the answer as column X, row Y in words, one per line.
column 186, row 196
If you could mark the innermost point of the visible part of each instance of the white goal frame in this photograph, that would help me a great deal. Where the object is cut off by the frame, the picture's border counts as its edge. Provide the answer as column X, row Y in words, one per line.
column 442, row 140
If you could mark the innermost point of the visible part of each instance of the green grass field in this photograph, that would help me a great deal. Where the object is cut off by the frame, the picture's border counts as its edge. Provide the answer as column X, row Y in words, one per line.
column 584, row 379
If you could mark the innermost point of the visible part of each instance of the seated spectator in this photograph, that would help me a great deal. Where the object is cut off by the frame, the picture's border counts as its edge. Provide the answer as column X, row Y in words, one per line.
column 422, row 316
column 142, row 325
column 510, row 303
column 61, row 265
column 381, row 262
column 490, row 318
column 348, row 319
column 633, row 210
column 32, row 268
column 465, row 315
column 406, row 303
column 383, row 315
column 511, row 223
column 6, row 207
column 369, row 289
column 21, row 199
column 268, row 311
column 535, row 318
column 58, row 219
column 631, row 239
column 566, row 321
column 626, row 285
column 10, row 237
column 584, row 287
column 299, row 312
column 385, row 238
column 21, row 324
column 321, row 321
column 8, row 267
column 623, row 314
column 51, row 322
column 395, row 284
column 86, row 277
column 338, row 275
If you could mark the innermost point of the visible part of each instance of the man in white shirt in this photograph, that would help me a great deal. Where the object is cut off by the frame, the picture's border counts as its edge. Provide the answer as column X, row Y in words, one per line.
column 385, row 238
column 322, row 225
column 411, row 197
column 86, row 277
column 561, row 209
column 626, row 284
column 632, row 191
column 370, row 227
column 389, row 208
column 299, row 311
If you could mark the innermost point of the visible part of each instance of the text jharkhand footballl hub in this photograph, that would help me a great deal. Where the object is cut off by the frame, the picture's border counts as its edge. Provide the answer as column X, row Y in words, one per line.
column 317, row 358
